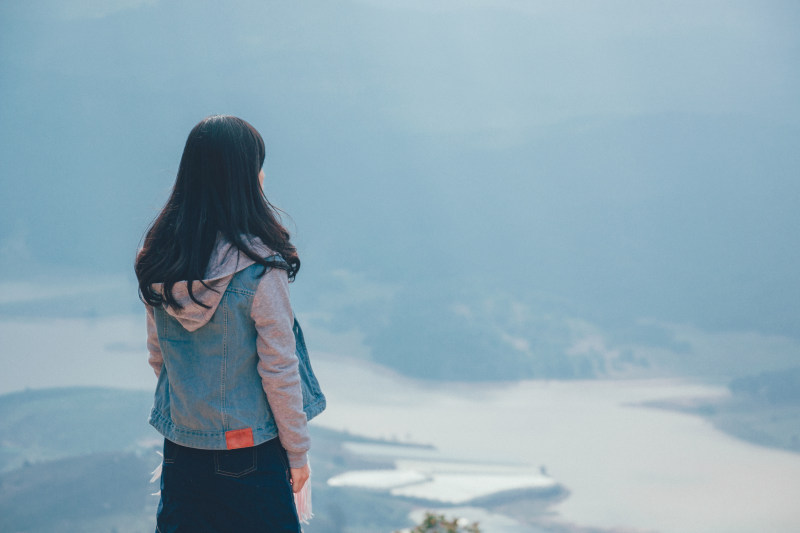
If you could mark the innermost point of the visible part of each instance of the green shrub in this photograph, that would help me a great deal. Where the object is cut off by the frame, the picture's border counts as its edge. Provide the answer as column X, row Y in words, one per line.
column 433, row 523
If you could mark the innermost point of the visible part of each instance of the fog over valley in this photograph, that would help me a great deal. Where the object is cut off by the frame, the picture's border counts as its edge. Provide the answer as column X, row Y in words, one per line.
column 608, row 164
column 549, row 252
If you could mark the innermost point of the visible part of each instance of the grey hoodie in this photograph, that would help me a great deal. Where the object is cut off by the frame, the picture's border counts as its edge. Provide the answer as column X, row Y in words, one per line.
column 276, row 345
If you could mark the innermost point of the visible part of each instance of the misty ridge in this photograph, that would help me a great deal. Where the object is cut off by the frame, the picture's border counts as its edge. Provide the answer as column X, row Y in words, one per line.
column 460, row 231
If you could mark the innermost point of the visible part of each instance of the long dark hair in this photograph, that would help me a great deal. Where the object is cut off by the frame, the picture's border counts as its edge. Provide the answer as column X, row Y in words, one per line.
column 217, row 191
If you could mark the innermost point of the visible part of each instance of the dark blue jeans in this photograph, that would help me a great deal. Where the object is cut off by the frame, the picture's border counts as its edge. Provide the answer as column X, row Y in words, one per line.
column 219, row 491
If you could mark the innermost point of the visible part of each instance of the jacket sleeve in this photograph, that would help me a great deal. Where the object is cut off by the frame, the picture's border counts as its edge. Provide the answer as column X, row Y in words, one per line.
column 155, row 359
column 278, row 363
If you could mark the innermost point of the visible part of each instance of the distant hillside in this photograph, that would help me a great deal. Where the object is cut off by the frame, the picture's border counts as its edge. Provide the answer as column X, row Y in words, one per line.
column 477, row 331
column 763, row 409
column 39, row 425
column 778, row 388
column 80, row 459
column 94, row 492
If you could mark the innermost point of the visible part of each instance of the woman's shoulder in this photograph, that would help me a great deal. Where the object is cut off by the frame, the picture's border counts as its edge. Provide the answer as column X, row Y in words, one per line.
column 257, row 246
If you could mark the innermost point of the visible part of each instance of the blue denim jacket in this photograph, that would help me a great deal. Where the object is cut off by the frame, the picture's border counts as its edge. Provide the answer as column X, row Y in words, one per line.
column 219, row 401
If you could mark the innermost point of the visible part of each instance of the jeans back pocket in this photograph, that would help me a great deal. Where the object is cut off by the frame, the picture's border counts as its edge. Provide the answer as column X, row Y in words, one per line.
column 235, row 463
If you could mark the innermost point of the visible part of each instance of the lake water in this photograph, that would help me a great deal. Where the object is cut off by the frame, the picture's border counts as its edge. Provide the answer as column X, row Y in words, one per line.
column 626, row 467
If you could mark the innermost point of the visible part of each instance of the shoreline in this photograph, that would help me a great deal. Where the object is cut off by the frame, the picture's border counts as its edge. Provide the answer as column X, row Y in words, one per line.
column 775, row 426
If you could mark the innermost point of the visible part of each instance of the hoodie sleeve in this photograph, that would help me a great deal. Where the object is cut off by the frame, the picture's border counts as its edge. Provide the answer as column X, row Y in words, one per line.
column 155, row 359
column 278, row 363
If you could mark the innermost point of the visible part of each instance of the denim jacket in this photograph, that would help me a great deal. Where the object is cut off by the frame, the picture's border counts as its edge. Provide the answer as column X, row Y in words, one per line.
column 238, row 374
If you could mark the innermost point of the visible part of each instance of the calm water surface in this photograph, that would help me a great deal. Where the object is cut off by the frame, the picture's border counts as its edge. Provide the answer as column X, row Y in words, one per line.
column 629, row 467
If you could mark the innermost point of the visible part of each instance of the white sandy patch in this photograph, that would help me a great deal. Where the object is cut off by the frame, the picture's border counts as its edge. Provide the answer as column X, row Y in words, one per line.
column 463, row 488
column 377, row 479
column 429, row 475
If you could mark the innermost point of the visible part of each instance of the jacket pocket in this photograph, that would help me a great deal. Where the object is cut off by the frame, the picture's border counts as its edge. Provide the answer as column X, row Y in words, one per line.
column 235, row 463
column 310, row 385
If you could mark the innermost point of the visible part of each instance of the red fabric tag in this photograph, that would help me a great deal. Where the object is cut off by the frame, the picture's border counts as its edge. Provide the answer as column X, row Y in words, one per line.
column 239, row 438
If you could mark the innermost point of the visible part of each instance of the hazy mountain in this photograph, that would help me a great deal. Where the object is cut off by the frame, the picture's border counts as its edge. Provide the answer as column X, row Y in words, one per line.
column 607, row 165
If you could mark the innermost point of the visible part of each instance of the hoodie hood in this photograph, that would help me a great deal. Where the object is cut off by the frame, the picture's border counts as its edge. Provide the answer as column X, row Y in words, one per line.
column 225, row 261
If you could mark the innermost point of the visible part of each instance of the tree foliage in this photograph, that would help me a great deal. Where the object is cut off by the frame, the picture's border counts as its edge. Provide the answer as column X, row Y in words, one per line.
column 433, row 523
